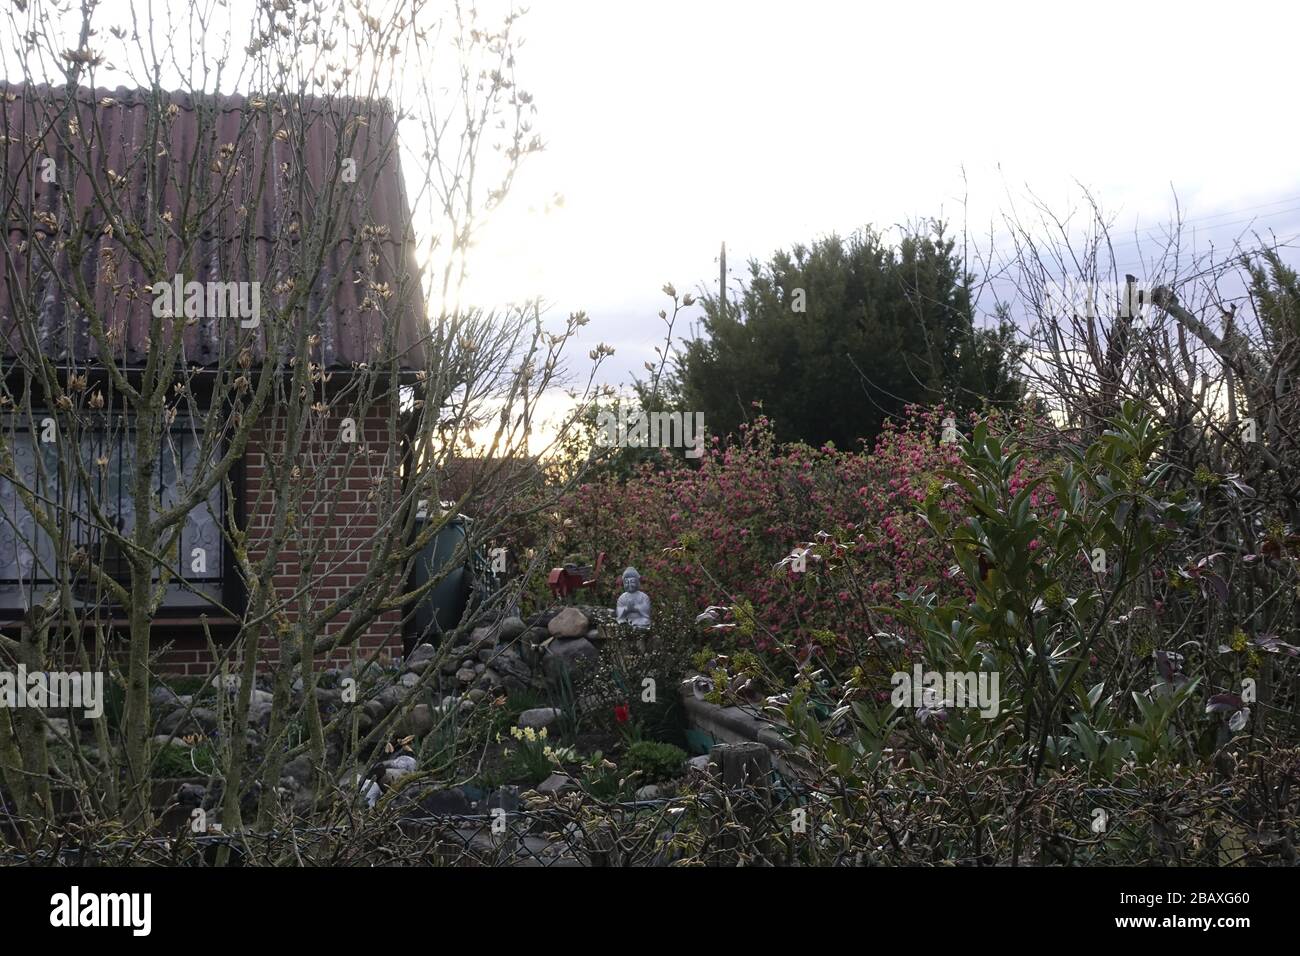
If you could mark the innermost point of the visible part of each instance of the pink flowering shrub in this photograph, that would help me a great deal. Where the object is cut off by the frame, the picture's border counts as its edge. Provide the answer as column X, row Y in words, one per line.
column 717, row 533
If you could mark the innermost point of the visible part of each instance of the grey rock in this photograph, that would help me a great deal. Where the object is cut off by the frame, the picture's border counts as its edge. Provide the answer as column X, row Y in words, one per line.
column 162, row 740
column 418, row 722
column 565, row 653
column 698, row 764
column 200, row 720
column 569, row 623
column 409, row 680
column 450, row 667
column 648, row 792
column 477, row 694
column 449, row 802
column 392, row 695
column 327, row 697
column 539, row 717
column 421, row 657
column 163, row 698
column 512, row 627
column 190, row 795
column 398, row 767
column 486, row 654
column 466, row 675
column 259, row 714
column 488, row 679
column 298, row 769
column 557, row 783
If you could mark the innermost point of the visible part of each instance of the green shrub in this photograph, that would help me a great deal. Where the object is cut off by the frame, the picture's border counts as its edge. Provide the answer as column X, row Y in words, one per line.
column 655, row 760
column 177, row 760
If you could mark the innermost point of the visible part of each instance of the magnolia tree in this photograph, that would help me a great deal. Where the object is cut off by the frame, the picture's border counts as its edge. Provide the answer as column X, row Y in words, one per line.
column 237, row 372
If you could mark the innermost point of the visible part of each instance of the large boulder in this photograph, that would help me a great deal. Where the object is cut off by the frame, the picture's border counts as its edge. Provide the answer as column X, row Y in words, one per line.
column 539, row 717
column 511, row 628
column 563, row 654
column 569, row 623
column 418, row 722
column 515, row 674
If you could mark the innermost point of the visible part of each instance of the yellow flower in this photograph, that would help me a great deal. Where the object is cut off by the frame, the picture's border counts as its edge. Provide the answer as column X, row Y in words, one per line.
column 530, row 734
column 542, row 733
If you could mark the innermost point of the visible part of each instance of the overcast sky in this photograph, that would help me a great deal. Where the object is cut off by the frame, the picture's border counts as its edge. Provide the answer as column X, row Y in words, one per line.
column 675, row 125
column 672, row 126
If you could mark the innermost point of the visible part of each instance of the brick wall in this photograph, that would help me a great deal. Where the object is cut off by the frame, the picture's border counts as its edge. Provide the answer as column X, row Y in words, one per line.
column 330, row 551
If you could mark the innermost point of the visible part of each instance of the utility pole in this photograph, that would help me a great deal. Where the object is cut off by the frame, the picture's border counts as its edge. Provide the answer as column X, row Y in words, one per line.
column 722, row 281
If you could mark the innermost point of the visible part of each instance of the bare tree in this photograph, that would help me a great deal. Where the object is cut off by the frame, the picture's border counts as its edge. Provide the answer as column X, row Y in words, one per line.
column 236, row 367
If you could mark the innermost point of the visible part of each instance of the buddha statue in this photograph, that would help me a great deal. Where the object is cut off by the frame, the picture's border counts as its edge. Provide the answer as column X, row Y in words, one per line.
column 633, row 604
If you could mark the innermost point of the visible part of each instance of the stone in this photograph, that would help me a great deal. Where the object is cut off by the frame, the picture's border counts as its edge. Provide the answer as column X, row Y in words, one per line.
column 398, row 767
column 564, row 653
column 190, row 795
column 163, row 698
column 256, row 696
column 486, row 654
column 633, row 608
column 298, row 769
column 421, row 657
column 569, row 623
column 483, row 637
column 392, row 695
column 698, row 764
column 488, row 679
column 328, row 697
column 477, row 694
column 450, row 667
column 466, row 675
column 539, row 717
column 511, row 628
column 162, row 740
column 648, row 792
column 57, row 728
column 409, row 680
column 259, row 713
column 449, row 802
column 515, row 674
column 418, row 722
column 200, row 720
column 556, row 783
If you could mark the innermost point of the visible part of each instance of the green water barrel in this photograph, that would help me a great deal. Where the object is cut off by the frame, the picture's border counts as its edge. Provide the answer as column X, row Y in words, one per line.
column 440, row 609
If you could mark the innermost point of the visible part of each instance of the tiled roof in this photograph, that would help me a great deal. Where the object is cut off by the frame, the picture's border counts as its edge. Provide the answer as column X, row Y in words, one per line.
column 257, row 218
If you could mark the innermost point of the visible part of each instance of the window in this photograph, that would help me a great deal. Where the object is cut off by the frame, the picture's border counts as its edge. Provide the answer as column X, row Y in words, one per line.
column 31, row 561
